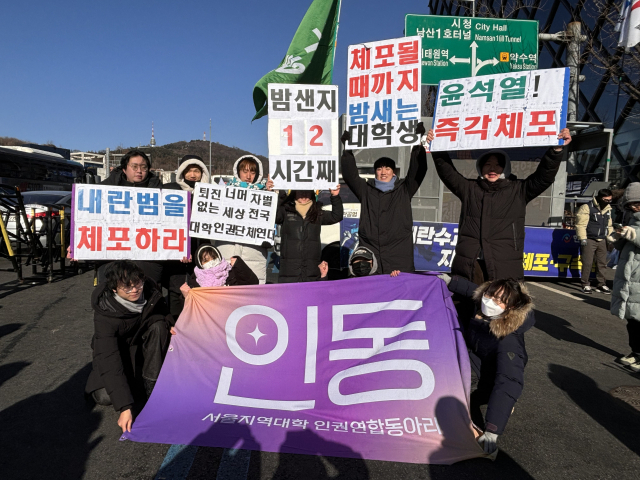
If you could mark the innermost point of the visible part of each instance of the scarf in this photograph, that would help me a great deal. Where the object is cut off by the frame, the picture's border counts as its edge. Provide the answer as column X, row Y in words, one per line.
column 213, row 277
column 303, row 209
column 134, row 307
column 236, row 182
column 385, row 186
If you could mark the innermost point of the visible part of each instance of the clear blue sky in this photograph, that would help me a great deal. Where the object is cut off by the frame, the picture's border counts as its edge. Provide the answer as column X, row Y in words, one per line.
column 89, row 75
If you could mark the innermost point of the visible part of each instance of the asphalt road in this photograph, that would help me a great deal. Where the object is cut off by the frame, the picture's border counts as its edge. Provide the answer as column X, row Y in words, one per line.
column 566, row 425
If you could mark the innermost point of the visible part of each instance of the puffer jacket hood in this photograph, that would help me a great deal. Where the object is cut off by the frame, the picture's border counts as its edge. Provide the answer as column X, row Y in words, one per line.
column 185, row 164
column 631, row 194
column 506, row 173
column 199, row 251
column 259, row 172
column 374, row 265
column 513, row 320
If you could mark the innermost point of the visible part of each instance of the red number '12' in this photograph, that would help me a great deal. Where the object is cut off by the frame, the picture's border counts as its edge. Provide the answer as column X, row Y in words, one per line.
column 318, row 129
column 289, row 132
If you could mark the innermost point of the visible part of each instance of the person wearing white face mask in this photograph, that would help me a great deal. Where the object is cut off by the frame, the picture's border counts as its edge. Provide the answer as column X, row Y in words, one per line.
column 495, row 338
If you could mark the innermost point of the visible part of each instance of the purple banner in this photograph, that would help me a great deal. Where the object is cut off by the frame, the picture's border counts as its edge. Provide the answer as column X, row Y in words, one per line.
column 372, row 368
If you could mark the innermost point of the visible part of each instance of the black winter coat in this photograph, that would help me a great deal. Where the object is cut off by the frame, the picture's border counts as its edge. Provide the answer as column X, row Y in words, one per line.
column 118, row 332
column 300, row 248
column 498, row 355
column 386, row 221
column 493, row 214
column 119, row 179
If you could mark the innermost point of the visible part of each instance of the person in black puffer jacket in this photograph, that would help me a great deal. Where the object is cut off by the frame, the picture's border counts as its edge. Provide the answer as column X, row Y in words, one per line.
column 491, row 226
column 302, row 217
column 132, row 331
column 495, row 338
column 386, row 219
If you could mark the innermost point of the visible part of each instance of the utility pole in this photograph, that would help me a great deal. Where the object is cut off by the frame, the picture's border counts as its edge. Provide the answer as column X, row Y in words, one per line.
column 210, row 171
column 573, row 38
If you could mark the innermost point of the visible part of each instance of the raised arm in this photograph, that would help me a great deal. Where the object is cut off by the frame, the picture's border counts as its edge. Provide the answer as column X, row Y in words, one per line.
column 337, row 210
column 452, row 179
column 545, row 174
column 351, row 176
column 282, row 197
column 417, row 169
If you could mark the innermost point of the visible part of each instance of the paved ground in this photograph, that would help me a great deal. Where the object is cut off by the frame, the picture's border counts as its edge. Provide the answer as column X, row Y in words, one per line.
column 566, row 425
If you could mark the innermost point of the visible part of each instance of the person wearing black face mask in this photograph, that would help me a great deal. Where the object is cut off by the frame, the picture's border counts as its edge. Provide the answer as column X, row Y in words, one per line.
column 593, row 225
column 362, row 263
column 191, row 170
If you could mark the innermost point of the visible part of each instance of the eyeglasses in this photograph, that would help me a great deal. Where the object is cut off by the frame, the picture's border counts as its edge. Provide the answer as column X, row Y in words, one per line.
column 137, row 287
column 136, row 167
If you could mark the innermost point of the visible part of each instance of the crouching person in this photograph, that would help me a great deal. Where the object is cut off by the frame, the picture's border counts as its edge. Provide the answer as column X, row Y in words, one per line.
column 495, row 338
column 133, row 328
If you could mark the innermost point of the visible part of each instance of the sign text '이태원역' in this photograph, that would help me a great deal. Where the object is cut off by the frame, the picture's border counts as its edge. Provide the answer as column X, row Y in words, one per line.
column 383, row 95
column 116, row 223
column 458, row 47
column 303, row 136
column 233, row 214
column 370, row 368
column 508, row 110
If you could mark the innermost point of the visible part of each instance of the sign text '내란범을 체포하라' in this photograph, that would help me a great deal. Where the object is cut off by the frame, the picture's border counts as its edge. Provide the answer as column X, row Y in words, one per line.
column 117, row 223
column 501, row 111
column 233, row 214
column 372, row 368
column 303, row 136
column 458, row 47
column 383, row 93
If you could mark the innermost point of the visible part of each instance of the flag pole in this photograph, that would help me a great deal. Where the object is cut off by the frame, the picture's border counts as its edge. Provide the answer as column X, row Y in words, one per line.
column 335, row 40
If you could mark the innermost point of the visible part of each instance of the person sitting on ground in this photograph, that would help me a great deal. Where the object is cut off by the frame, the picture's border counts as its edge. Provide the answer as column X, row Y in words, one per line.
column 625, row 297
column 302, row 217
column 212, row 270
column 386, row 219
column 495, row 338
column 593, row 225
column 133, row 327
column 248, row 174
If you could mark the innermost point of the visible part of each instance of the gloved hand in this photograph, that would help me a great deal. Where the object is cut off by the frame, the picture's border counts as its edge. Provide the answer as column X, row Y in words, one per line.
column 488, row 442
column 420, row 129
column 628, row 233
column 345, row 136
column 584, row 242
column 445, row 278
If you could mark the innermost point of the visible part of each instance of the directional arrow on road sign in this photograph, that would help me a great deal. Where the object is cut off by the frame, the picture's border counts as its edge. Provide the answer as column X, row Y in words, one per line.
column 455, row 60
column 494, row 61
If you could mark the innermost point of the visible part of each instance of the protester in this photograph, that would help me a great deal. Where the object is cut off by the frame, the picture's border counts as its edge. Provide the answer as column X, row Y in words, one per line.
column 491, row 226
column 625, row 298
column 248, row 174
column 135, row 171
column 362, row 263
column 593, row 225
column 495, row 337
column 386, row 220
column 213, row 270
column 132, row 331
column 192, row 169
column 302, row 218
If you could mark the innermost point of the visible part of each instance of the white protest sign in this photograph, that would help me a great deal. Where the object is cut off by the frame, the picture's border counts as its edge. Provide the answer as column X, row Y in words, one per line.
column 505, row 110
column 383, row 97
column 303, row 136
column 124, row 223
column 233, row 214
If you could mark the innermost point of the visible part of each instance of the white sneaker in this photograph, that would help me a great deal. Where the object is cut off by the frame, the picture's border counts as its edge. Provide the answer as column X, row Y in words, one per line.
column 631, row 359
column 587, row 289
column 603, row 289
column 635, row 367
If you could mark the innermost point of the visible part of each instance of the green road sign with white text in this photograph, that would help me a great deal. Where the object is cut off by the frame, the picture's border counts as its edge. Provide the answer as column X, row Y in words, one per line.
column 459, row 47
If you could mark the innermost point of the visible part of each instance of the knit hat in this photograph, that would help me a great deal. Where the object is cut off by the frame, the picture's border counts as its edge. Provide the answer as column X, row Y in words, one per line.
column 631, row 194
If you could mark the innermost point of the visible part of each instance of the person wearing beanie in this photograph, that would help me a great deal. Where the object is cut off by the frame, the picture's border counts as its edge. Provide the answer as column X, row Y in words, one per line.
column 593, row 225
column 625, row 296
column 386, row 219
column 191, row 170
column 491, row 226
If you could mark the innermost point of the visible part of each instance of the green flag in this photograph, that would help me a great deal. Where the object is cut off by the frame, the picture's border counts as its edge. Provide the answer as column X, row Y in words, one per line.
column 310, row 56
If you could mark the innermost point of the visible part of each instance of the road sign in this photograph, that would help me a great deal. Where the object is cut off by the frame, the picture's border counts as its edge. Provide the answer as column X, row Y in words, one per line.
column 459, row 47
